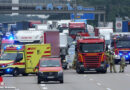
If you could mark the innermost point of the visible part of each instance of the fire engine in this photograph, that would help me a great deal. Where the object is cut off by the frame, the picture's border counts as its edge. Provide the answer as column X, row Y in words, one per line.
column 120, row 42
column 90, row 54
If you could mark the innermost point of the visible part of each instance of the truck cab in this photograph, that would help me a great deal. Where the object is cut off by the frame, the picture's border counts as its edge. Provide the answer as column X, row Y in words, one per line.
column 90, row 54
column 50, row 69
column 76, row 27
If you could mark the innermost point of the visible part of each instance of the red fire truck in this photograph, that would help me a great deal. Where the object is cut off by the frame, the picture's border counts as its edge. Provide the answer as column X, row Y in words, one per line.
column 76, row 27
column 90, row 54
column 120, row 42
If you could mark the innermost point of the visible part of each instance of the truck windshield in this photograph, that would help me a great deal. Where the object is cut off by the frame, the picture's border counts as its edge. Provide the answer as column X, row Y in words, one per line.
column 8, row 56
column 123, row 44
column 50, row 63
column 91, row 48
column 75, row 31
column 5, row 44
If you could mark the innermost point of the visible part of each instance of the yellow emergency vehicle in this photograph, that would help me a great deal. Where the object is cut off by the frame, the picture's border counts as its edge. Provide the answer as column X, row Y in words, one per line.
column 22, row 59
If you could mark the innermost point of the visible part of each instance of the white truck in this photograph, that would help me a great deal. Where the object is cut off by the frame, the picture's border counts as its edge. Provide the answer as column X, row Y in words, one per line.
column 29, row 36
column 104, row 31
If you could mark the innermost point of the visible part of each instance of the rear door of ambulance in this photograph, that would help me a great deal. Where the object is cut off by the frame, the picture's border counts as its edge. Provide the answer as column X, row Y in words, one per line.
column 33, row 53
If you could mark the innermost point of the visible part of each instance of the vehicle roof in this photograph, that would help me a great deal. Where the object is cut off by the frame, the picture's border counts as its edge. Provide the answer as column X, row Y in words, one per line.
column 49, row 58
column 91, row 40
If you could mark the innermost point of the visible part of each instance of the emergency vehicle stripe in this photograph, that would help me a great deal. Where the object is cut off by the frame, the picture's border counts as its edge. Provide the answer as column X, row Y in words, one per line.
column 47, row 52
column 29, row 56
column 45, row 55
column 48, row 48
column 18, row 63
column 102, row 57
column 29, row 52
column 81, row 57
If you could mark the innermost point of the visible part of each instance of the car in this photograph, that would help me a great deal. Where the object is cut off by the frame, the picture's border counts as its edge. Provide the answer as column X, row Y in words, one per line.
column 50, row 69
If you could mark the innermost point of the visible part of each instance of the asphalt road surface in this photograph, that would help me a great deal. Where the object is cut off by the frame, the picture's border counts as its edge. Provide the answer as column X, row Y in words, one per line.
column 73, row 81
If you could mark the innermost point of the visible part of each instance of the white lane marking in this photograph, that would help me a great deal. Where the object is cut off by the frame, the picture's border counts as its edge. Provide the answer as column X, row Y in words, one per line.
column 91, row 79
column 108, row 88
column 127, row 75
column 85, row 75
column 45, row 88
column 43, row 85
column 99, row 84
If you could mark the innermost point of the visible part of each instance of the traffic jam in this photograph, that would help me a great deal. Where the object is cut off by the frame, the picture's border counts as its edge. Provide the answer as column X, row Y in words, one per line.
column 48, row 49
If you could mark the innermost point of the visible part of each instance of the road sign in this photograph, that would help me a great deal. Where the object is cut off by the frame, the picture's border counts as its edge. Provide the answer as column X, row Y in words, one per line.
column 118, row 24
column 88, row 16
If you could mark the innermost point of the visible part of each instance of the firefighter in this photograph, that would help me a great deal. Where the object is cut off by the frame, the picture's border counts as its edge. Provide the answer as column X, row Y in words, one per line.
column 74, row 61
column 107, row 57
column 122, row 63
column 112, row 61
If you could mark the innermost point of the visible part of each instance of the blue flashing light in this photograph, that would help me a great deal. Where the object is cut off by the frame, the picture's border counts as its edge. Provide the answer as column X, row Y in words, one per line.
column 8, row 70
column 19, row 47
column 3, row 66
column 11, row 38
column 120, row 54
column 126, row 56
column 5, row 48
column 128, row 53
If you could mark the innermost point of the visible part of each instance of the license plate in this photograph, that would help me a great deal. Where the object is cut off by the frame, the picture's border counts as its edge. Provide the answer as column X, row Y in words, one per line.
column 50, row 77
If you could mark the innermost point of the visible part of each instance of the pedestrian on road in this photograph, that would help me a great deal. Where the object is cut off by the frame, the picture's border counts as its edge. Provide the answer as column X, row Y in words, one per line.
column 112, row 62
column 107, row 57
column 122, row 63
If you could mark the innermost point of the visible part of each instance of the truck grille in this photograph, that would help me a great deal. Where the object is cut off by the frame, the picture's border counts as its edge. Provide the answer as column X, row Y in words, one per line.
column 92, row 61
column 50, row 73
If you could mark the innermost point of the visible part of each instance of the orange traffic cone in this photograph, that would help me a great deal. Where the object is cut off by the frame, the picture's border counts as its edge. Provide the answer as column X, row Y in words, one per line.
column 1, row 81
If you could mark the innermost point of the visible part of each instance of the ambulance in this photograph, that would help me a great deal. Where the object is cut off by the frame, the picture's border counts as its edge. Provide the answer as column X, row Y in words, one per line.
column 22, row 59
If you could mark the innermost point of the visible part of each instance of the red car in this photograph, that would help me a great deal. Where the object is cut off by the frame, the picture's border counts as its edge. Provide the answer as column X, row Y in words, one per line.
column 50, row 69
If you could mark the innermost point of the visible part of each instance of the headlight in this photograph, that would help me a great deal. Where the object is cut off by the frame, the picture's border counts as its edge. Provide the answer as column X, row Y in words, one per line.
column 60, row 72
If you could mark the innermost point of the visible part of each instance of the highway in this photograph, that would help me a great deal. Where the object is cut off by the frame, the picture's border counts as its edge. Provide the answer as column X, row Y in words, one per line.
column 73, row 81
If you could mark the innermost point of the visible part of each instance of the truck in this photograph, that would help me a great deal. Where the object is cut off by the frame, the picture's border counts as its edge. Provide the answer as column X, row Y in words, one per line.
column 76, row 27
column 32, row 24
column 42, row 27
column 120, row 42
column 22, row 59
column 90, row 54
column 105, row 31
column 29, row 36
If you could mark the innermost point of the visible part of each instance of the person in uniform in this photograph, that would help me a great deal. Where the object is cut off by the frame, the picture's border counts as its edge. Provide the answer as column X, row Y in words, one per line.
column 107, row 57
column 122, row 63
column 112, row 62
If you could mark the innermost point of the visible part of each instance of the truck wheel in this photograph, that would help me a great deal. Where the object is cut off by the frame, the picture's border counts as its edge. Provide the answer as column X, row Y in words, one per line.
column 15, row 72
column 79, row 71
column 38, row 81
column 104, row 71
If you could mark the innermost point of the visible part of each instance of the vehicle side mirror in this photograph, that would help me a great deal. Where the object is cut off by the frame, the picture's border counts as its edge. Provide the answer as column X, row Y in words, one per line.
column 19, row 57
column 37, row 67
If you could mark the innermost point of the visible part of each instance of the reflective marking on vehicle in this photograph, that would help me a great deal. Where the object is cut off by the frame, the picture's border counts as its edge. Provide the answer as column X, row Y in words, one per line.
column 99, row 84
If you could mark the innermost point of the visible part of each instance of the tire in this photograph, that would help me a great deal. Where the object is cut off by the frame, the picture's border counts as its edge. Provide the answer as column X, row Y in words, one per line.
column 15, row 72
column 104, row 71
column 38, row 81
column 61, row 81
column 25, row 74
column 79, row 71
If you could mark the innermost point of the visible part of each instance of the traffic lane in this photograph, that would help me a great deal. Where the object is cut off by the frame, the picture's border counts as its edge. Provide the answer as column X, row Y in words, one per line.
column 112, row 81
column 22, row 82
column 73, row 81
